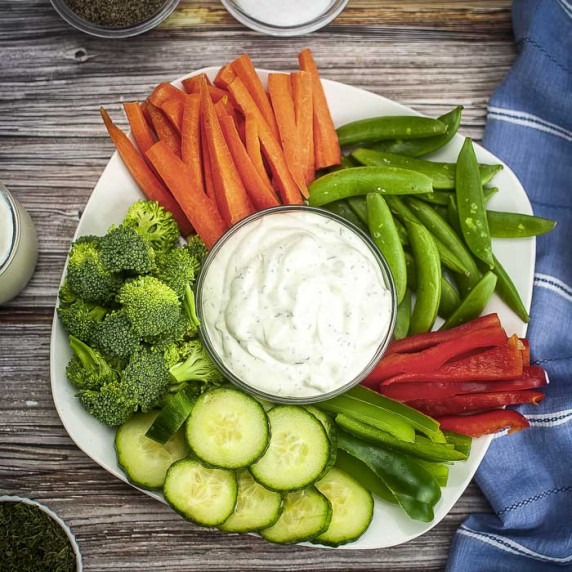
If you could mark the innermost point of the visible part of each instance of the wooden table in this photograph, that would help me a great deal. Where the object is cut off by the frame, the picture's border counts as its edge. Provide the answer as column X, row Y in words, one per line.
column 53, row 147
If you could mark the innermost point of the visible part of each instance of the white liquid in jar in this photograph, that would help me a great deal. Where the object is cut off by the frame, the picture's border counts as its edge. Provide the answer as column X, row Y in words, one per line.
column 284, row 13
column 6, row 229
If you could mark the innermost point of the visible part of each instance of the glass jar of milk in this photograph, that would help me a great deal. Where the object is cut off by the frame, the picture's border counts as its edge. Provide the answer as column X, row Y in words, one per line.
column 18, row 246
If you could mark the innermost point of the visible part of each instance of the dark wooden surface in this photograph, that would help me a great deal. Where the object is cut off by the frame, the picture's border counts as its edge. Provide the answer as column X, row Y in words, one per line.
column 427, row 54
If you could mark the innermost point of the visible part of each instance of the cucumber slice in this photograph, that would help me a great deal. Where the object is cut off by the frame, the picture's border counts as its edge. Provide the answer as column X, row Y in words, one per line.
column 330, row 428
column 256, row 507
column 145, row 461
column 307, row 513
column 205, row 496
column 298, row 452
column 227, row 429
column 352, row 508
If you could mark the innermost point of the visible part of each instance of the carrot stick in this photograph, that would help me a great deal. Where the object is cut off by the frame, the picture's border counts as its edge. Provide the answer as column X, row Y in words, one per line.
column 252, row 143
column 173, row 109
column 142, row 133
column 201, row 210
column 224, row 76
column 207, row 164
column 244, row 69
column 259, row 191
column 146, row 114
column 326, row 146
column 220, row 109
column 190, row 81
column 152, row 188
column 191, row 139
column 289, row 190
column 163, row 92
column 231, row 196
column 302, row 92
column 165, row 130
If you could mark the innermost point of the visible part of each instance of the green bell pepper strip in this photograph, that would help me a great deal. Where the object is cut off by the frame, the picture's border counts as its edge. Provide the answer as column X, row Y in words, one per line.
column 343, row 209
column 364, row 475
column 403, row 318
column 363, row 180
column 439, row 471
column 359, row 206
column 385, row 420
column 462, row 443
column 471, row 205
column 415, row 489
column 442, row 174
column 450, row 299
column 428, row 266
column 474, row 303
column 516, row 225
column 420, row 147
column 386, row 238
column 389, row 127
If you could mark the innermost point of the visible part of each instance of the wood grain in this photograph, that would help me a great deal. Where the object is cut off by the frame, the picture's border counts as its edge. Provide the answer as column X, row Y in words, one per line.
column 430, row 55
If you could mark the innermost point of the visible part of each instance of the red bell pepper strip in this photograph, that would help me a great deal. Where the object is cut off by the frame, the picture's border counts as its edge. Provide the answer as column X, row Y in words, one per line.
column 471, row 402
column 485, row 423
column 499, row 363
column 423, row 341
column 525, row 351
column 433, row 358
column 532, row 376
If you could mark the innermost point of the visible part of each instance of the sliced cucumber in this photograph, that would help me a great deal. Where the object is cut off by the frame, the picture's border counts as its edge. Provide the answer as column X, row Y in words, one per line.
column 144, row 461
column 205, row 496
column 298, row 452
column 352, row 508
column 329, row 426
column 306, row 514
column 256, row 507
column 227, row 429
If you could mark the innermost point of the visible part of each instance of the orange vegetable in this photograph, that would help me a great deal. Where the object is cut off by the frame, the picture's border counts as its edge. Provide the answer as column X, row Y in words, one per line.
column 173, row 109
column 231, row 196
column 201, row 210
column 142, row 133
column 225, row 76
column 152, row 188
column 164, row 128
column 259, row 191
column 207, row 165
column 302, row 92
column 190, row 81
column 191, row 139
column 164, row 92
column 146, row 113
column 215, row 92
column 326, row 146
column 252, row 143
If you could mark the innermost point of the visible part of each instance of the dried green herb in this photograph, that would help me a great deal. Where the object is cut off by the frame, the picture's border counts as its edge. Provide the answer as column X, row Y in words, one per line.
column 31, row 540
column 115, row 13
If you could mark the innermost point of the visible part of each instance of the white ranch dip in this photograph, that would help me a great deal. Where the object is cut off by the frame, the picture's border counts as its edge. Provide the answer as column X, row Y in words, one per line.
column 295, row 304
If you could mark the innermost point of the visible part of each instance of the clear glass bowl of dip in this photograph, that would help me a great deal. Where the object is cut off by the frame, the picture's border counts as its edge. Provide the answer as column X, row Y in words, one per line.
column 92, row 29
column 290, row 27
column 219, row 360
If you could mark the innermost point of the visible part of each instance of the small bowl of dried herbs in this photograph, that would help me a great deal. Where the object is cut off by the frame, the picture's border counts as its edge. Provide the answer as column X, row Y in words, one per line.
column 33, row 537
column 114, row 18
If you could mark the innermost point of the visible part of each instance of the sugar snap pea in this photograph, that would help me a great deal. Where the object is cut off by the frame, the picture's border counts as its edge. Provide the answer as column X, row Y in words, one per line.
column 389, row 127
column 363, row 180
column 441, row 198
column 428, row 267
column 411, row 271
column 359, row 206
column 474, row 303
column 402, row 231
column 489, row 193
column 343, row 209
column 420, row 147
column 516, row 225
column 384, row 234
column 450, row 299
column 403, row 317
column 442, row 174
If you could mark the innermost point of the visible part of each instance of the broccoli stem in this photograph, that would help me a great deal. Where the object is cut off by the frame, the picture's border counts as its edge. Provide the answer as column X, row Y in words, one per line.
column 190, row 307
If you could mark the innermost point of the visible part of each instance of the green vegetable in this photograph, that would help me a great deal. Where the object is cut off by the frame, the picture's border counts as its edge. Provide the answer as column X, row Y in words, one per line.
column 516, row 225
column 109, row 405
column 88, row 369
column 488, row 193
column 66, row 295
column 386, row 237
column 462, row 443
column 115, row 336
column 389, row 127
column 197, row 367
column 80, row 319
column 124, row 250
column 196, row 248
column 363, row 180
column 450, row 299
column 177, row 268
column 507, row 291
column 411, row 271
column 439, row 471
column 343, row 209
column 403, row 318
column 402, row 231
column 359, row 206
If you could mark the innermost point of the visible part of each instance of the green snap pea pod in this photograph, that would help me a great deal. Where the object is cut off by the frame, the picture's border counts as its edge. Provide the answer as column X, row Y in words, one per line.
column 471, row 205
column 450, row 299
column 359, row 206
column 441, row 211
column 441, row 198
column 489, row 193
column 389, row 127
column 448, row 259
column 364, row 180
column 453, row 215
column 384, row 234
column 403, row 318
column 516, row 225
column 420, row 147
column 474, row 303
column 442, row 174
column 411, row 271
column 428, row 265
column 402, row 231
column 343, row 209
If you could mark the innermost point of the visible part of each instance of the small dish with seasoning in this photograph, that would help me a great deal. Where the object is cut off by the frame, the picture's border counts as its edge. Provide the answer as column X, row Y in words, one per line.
column 296, row 304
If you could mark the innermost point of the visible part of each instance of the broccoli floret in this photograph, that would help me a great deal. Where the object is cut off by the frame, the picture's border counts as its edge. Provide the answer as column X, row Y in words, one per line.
column 80, row 319
column 198, row 366
column 115, row 336
column 87, row 276
column 88, row 368
column 110, row 404
column 66, row 295
column 124, row 250
column 155, row 224
column 177, row 268
column 146, row 378
column 151, row 306
column 196, row 248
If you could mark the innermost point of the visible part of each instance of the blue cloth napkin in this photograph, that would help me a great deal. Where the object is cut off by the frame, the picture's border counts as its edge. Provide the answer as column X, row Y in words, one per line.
column 527, row 477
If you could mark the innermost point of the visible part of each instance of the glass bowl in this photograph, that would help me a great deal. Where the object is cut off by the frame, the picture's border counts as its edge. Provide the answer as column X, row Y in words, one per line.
column 108, row 32
column 331, row 13
column 219, row 360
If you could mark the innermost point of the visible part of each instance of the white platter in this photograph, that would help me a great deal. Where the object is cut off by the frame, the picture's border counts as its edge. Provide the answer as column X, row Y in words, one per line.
column 108, row 204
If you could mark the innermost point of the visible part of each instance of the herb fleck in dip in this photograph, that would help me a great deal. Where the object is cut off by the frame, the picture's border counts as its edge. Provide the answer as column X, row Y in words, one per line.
column 115, row 13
